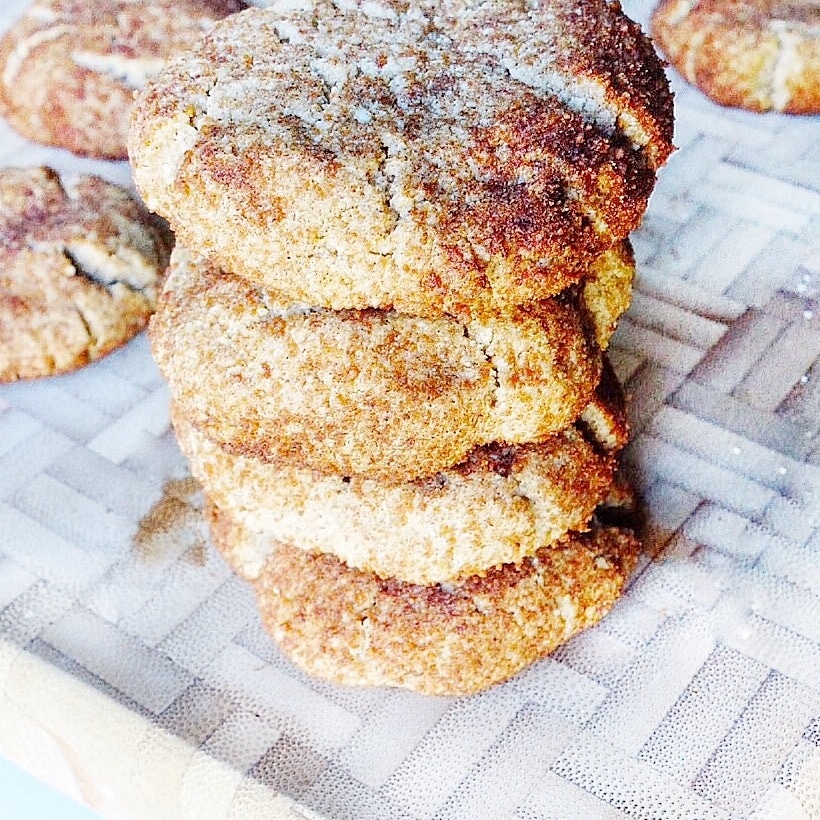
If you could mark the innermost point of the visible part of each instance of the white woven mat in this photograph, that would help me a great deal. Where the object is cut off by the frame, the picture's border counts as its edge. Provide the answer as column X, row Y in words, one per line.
column 134, row 672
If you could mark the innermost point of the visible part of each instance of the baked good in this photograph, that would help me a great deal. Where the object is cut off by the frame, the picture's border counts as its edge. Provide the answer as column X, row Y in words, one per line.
column 354, row 628
column 68, row 68
column 606, row 290
column 500, row 504
column 428, row 157
column 80, row 267
column 762, row 55
column 369, row 392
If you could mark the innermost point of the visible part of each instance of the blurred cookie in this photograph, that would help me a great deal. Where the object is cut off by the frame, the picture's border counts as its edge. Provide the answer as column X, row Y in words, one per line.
column 499, row 505
column 368, row 392
column 80, row 267
column 429, row 157
column 68, row 68
column 762, row 55
column 354, row 628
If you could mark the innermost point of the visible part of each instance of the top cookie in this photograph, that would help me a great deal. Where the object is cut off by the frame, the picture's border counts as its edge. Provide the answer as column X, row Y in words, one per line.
column 70, row 67
column 762, row 55
column 430, row 157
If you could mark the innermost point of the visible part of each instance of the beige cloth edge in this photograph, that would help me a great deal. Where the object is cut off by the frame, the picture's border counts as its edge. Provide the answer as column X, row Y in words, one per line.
column 100, row 754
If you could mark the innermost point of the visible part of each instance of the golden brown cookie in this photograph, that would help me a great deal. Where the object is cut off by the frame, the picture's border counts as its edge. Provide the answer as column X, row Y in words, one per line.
column 370, row 392
column 354, row 628
column 500, row 504
column 429, row 157
column 606, row 290
column 68, row 68
column 80, row 267
column 762, row 55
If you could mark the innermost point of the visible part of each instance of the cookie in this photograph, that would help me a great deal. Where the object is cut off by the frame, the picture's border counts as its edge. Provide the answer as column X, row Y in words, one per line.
column 606, row 291
column 80, row 267
column 356, row 629
column 761, row 55
column 368, row 392
column 69, row 68
column 428, row 157
column 500, row 504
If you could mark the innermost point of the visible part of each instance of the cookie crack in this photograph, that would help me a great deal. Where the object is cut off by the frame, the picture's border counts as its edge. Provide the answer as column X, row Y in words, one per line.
column 87, row 326
column 609, row 119
column 23, row 50
column 210, row 97
column 786, row 62
column 132, row 73
column 385, row 178
column 96, row 275
column 482, row 338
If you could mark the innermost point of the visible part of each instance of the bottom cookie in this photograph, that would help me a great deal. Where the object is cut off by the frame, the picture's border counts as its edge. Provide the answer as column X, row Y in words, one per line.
column 354, row 628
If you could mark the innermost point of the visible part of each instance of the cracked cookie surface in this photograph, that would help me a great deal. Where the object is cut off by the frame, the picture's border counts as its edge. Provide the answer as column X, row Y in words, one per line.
column 367, row 392
column 427, row 157
column 80, row 267
column 761, row 55
column 499, row 505
column 357, row 629
column 69, row 68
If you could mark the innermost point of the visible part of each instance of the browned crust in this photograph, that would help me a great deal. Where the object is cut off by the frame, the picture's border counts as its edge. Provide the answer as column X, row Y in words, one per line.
column 754, row 54
column 613, row 47
column 80, row 267
column 368, row 392
column 502, row 503
column 469, row 183
column 354, row 628
column 64, row 64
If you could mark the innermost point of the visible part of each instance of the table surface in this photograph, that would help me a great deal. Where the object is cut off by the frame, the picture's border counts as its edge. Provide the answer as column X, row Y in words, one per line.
column 135, row 675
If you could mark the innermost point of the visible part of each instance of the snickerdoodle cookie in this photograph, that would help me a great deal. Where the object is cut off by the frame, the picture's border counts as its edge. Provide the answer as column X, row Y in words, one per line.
column 762, row 55
column 354, row 628
column 370, row 392
column 69, row 68
column 501, row 504
column 80, row 266
column 424, row 156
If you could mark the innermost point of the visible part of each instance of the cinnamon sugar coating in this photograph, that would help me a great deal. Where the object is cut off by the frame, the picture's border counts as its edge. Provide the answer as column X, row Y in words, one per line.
column 354, row 628
column 501, row 504
column 428, row 157
column 369, row 392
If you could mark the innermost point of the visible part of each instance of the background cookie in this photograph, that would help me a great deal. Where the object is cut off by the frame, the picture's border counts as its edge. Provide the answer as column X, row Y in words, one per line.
column 757, row 54
column 366, row 392
column 354, row 628
column 80, row 267
column 426, row 157
column 501, row 504
column 68, row 68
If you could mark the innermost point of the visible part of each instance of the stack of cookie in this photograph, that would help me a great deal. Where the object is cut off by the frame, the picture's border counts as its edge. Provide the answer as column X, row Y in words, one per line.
column 402, row 248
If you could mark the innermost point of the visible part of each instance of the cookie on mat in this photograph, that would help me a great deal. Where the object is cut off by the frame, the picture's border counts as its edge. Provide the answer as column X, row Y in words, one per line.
column 498, row 506
column 354, row 628
column 69, row 68
column 80, row 267
column 369, row 392
column 762, row 55
column 415, row 155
